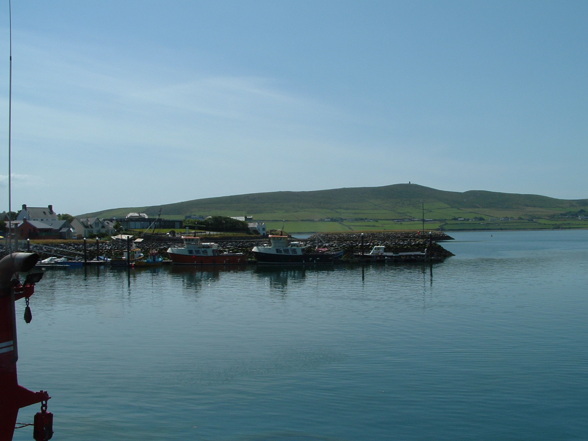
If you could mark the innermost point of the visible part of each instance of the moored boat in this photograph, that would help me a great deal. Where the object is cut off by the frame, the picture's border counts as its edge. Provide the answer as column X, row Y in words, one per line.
column 153, row 260
column 59, row 262
column 281, row 250
column 127, row 260
column 379, row 254
column 196, row 252
column 150, row 261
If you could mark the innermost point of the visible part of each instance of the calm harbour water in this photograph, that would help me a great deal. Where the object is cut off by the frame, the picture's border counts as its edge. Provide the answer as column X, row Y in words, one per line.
column 488, row 345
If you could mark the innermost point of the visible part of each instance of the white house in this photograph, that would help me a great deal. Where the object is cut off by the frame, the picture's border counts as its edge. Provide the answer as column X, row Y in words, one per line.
column 258, row 227
column 91, row 227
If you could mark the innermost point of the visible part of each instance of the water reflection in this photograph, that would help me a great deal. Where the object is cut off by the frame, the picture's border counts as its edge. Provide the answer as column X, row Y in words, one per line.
column 426, row 269
column 207, row 268
column 279, row 276
column 194, row 278
column 197, row 278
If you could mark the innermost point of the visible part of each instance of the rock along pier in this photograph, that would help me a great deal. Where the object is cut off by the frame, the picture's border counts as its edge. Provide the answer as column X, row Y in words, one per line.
column 350, row 243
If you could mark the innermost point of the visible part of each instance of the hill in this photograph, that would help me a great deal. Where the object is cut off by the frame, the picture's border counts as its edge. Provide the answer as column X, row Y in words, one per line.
column 399, row 206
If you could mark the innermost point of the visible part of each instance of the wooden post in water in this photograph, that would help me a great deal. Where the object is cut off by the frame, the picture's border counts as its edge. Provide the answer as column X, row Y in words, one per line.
column 128, row 252
column 85, row 252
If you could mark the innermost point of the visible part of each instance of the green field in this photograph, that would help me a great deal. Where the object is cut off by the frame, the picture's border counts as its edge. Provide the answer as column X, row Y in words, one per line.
column 336, row 227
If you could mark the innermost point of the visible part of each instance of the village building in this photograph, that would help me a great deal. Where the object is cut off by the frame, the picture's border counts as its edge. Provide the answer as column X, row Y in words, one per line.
column 137, row 221
column 41, row 223
column 92, row 227
column 141, row 221
column 41, row 214
column 59, row 229
column 258, row 228
column 254, row 227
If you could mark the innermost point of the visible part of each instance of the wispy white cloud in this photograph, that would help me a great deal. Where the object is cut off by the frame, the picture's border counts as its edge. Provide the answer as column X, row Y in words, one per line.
column 118, row 102
column 22, row 181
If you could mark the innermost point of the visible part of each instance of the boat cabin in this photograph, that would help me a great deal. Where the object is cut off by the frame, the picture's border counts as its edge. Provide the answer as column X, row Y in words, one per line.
column 378, row 250
column 195, row 247
column 281, row 245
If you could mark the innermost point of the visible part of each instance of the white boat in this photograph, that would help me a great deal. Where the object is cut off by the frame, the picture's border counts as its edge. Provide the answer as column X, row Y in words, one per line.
column 281, row 250
column 58, row 262
column 379, row 254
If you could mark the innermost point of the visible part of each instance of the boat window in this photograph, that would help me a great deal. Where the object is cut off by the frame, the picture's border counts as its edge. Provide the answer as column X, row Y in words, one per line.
column 286, row 251
column 293, row 250
column 190, row 252
column 279, row 250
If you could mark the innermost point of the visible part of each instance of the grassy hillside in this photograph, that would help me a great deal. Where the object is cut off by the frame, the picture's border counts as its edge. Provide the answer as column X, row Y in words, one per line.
column 380, row 208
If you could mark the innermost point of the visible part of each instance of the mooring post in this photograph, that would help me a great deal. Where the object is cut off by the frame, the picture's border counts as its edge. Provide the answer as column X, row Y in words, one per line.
column 128, row 252
column 85, row 252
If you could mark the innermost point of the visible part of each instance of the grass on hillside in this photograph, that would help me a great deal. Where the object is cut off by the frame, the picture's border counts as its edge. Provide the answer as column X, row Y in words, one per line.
column 379, row 208
column 339, row 227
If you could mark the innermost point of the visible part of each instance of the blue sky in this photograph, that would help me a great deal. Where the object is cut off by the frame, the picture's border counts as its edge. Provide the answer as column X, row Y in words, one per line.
column 135, row 103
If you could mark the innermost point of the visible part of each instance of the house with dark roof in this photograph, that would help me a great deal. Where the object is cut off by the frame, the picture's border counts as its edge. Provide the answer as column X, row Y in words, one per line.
column 41, row 223
column 59, row 229
column 42, row 214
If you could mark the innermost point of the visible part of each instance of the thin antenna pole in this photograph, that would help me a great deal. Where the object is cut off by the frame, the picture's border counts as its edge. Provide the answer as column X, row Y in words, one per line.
column 10, row 130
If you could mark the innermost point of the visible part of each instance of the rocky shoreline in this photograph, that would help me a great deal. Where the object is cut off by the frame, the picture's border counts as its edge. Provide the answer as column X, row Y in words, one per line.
column 396, row 242
column 349, row 243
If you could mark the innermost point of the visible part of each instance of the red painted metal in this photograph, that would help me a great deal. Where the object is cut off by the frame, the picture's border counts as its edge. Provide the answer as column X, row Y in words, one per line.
column 13, row 396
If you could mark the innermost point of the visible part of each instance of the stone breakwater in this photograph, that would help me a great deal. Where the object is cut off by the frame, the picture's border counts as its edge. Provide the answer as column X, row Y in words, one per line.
column 349, row 243
column 396, row 242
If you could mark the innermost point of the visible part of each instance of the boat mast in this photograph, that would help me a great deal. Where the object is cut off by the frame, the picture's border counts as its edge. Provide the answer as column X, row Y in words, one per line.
column 423, row 215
